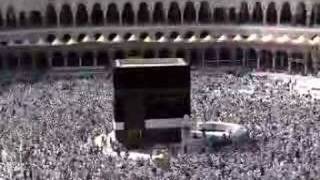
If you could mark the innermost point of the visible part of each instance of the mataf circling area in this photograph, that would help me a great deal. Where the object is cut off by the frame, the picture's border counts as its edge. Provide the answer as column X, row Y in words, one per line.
column 47, row 130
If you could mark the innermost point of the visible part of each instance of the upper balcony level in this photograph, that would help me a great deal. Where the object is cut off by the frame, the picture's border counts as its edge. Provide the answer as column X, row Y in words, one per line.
column 78, row 14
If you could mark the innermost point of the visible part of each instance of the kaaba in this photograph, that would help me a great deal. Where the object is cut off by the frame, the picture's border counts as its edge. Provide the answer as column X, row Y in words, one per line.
column 151, row 97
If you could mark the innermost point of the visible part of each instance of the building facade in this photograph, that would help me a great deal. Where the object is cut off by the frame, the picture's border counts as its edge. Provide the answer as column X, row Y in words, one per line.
column 277, row 35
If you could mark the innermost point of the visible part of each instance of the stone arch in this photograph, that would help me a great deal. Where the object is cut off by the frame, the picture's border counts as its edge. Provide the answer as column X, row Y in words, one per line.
column 11, row 17
column 113, row 16
column 66, row 38
column 210, row 54
column 159, row 35
column 1, row 19
column 128, row 14
column 73, row 59
column 82, row 15
column 143, row 13
column 239, row 56
column 272, row 14
column 219, row 15
column 97, row 36
column 286, row 16
column 315, row 16
column 297, row 67
column 204, row 12
column 127, row 36
column 174, row 14
column 66, row 17
column 204, row 34
column 225, row 56
column 181, row 53
column 244, row 13
column 252, row 58
column 257, row 16
column 210, row 57
column 103, row 59
column 189, row 14
column 57, row 59
column 41, row 60
column 50, row 38
column 188, row 34
column 173, row 35
column 158, row 13
column 232, row 15
column 112, row 36
column 194, row 57
column 143, row 35
column 281, row 60
column 12, row 61
column 35, row 18
column 23, row 19
column 87, row 59
column 26, row 61
column 97, row 15
column 164, row 53
column 51, row 15
column 266, row 60
column 301, row 14
column 134, row 53
column 149, row 53
column 120, row 54
column 2, row 66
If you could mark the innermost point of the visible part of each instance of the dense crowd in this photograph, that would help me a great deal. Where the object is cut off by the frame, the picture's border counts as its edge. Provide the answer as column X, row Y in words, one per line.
column 47, row 130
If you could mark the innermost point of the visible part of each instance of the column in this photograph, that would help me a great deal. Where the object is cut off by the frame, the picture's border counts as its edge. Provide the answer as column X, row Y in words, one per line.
column 237, row 15
column 279, row 16
column 274, row 55
column 182, row 12
column 264, row 22
column 282, row 60
column 251, row 10
column 315, row 19
column 80, row 58
column 244, row 57
column 197, row 8
column 305, row 62
column 65, row 59
column 112, row 55
column 74, row 15
column 227, row 16
column 156, row 53
column 34, row 65
column 314, row 60
column 135, row 8
column 89, row 11
column 289, row 62
column 294, row 18
column 188, row 56
column 120, row 7
column 166, row 11
column 58, row 10
column 258, row 59
column 49, row 55
column 234, row 56
column 202, row 51
column 308, row 20
column 218, row 56
column 19, row 60
column 4, row 60
column 95, row 59
column 151, row 9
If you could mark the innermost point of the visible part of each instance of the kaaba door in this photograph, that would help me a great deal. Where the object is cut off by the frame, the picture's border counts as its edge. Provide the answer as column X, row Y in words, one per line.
column 134, row 119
